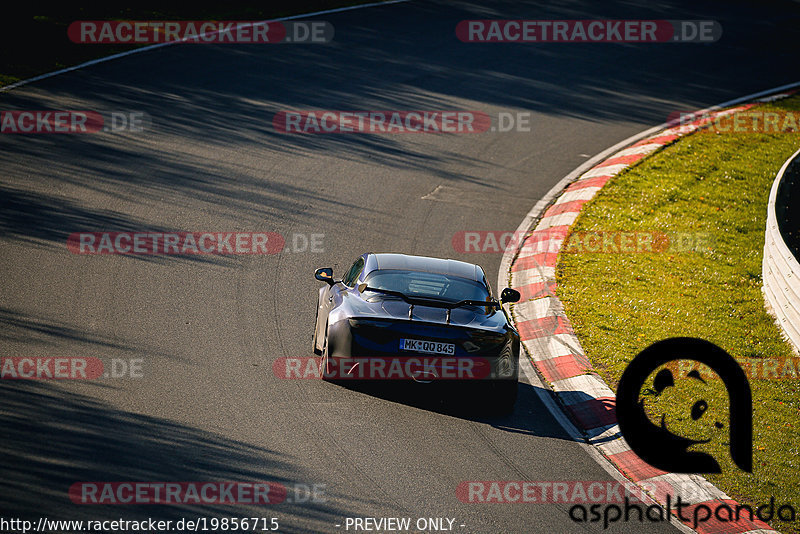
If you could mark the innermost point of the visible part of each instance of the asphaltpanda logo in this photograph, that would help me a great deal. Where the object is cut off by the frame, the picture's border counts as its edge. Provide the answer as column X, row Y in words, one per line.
column 687, row 411
column 656, row 443
column 672, row 444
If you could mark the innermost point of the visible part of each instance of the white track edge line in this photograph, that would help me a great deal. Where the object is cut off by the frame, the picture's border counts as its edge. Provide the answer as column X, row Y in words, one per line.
column 575, row 434
column 526, row 224
column 159, row 45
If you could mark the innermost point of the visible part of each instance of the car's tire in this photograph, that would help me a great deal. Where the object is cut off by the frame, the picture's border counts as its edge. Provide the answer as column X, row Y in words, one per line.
column 325, row 358
column 314, row 337
column 504, row 396
column 324, row 352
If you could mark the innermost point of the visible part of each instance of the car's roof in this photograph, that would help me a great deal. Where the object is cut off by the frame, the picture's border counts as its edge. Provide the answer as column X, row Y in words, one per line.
column 407, row 262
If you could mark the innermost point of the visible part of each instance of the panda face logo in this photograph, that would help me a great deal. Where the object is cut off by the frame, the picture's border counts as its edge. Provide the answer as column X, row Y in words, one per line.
column 672, row 400
column 652, row 404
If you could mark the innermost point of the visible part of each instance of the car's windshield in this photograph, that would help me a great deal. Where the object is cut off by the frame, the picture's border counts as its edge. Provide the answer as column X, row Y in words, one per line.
column 428, row 285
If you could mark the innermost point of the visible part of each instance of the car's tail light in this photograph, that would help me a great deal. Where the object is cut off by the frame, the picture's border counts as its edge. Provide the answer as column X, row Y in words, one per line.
column 360, row 323
column 483, row 341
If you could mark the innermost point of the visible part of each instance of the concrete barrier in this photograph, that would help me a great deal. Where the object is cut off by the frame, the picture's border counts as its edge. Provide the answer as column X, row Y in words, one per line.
column 781, row 270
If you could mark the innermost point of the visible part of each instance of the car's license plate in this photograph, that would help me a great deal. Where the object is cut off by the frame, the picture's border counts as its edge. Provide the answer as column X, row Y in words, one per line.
column 429, row 347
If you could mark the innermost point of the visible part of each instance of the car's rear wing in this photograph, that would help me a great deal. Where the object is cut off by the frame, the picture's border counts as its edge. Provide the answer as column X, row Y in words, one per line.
column 434, row 303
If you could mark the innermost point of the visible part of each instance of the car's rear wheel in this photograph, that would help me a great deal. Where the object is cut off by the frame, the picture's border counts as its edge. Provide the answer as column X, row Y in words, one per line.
column 316, row 318
column 325, row 367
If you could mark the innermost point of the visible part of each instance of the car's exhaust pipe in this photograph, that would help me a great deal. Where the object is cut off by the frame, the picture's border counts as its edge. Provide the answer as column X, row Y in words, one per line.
column 424, row 377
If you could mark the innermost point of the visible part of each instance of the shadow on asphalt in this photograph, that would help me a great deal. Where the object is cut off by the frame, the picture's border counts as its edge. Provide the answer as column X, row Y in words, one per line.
column 222, row 98
column 465, row 401
column 17, row 326
column 53, row 438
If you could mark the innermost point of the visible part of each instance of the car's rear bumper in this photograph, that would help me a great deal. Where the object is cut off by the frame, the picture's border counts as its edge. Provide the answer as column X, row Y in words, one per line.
column 375, row 354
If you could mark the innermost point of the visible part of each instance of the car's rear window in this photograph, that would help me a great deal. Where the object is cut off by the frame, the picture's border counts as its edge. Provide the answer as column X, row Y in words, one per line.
column 432, row 285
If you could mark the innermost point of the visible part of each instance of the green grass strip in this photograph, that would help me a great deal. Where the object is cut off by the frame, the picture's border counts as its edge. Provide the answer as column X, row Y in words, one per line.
column 620, row 303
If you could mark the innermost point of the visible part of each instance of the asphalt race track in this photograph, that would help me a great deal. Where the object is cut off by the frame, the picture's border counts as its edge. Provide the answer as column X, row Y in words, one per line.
column 207, row 329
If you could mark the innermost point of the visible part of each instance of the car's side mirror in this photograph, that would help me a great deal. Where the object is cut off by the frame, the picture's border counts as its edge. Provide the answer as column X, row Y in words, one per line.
column 510, row 295
column 325, row 274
